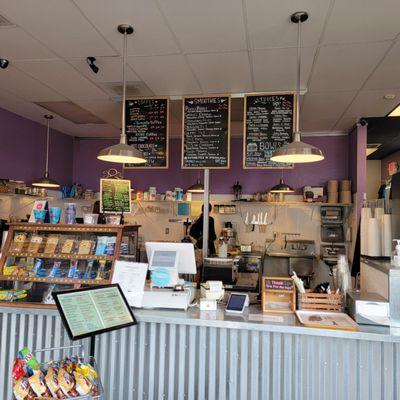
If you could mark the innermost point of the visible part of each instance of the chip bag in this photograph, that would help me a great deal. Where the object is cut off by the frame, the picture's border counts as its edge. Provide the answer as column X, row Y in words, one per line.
column 22, row 390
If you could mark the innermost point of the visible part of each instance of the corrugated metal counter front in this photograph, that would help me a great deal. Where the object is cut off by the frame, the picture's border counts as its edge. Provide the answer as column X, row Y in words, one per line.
column 201, row 355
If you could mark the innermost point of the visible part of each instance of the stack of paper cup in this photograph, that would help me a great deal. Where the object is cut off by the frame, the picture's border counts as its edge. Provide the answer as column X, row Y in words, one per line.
column 365, row 216
column 386, row 235
column 333, row 191
column 345, row 191
column 374, row 238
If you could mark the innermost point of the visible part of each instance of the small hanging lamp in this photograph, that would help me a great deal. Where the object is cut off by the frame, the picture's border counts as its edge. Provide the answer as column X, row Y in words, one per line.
column 122, row 152
column 45, row 181
column 198, row 187
column 281, row 187
column 298, row 151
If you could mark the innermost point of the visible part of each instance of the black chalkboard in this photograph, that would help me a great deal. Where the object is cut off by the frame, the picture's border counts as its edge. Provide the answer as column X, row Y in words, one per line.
column 206, row 132
column 115, row 195
column 268, row 124
column 147, row 129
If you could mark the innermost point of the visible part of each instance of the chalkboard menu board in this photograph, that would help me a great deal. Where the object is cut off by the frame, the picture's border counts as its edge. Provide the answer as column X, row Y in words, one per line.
column 268, row 124
column 115, row 195
column 206, row 132
column 147, row 129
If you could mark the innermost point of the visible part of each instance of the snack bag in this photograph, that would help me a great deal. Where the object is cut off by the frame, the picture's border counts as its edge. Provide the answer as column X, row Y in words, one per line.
column 22, row 390
column 38, row 385
column 67, row 383
column 29, row 360
column 18, row 243
column 83, row 385
column 52, row 383
column 18, row 369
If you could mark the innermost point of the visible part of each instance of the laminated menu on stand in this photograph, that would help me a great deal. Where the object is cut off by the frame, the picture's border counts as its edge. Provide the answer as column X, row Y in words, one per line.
column 268, row 124
column 115, row 195
column 206, row 132
column 147, row 128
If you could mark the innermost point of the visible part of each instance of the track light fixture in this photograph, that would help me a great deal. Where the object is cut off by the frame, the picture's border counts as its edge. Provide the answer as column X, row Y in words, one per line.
column 91, row 62
column 3, row 63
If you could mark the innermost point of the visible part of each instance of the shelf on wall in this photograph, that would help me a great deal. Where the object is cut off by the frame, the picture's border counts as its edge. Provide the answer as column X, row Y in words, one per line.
column 63, row 281
column 288, row 203
column 60, row 256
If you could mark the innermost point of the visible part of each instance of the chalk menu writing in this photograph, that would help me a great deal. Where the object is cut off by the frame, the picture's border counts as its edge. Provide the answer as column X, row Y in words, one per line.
column 206, row 132
column 147, row 129
column 268, row 125
column 279, row 284
column 115, row 195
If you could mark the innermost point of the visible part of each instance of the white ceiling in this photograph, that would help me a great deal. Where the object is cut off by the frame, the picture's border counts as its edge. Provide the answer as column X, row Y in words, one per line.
column 351, row 54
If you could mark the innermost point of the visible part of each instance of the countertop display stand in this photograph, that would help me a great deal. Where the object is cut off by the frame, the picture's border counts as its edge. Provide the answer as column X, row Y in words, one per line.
column 16, row 277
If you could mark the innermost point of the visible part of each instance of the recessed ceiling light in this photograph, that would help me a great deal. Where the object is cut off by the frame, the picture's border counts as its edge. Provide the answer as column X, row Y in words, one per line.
column 389, row 96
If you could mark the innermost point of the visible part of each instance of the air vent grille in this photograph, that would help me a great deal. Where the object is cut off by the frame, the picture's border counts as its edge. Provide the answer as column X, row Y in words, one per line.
column 5, row 22
column 133, row 89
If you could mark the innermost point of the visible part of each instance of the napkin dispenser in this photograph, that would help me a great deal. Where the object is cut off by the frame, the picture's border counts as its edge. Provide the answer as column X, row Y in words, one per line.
column 368, row 308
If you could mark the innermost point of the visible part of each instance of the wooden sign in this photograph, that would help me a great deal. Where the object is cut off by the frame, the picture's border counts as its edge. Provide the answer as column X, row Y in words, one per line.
column 269, row 122
column 278, row 295
column 115, row 196
column 206, row 132
column 147, row 128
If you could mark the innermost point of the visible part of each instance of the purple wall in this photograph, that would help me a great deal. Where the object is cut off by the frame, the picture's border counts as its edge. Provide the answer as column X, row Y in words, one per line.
column 87, row 169
column 23, row 146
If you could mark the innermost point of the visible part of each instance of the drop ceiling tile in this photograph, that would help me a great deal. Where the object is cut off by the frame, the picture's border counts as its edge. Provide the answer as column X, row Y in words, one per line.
column 317, row 124
column 328, row 106
column 222, row 72
column 269, row 22
column 62, row 77
column 166, row 75
column 370, row 103
column 275, row 69
column 107, row 110
column 363, row 21
column 152, row 35
column 59, row 25
column 110, row 69
column 387, row 74
column 26, row 87
column 15, row 44
column 207, row 25
column 345, row 67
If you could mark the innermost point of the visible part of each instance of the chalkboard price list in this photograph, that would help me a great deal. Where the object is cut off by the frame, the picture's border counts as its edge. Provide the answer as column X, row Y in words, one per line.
column 206, row 132
column 269, row 122
column 147, row 129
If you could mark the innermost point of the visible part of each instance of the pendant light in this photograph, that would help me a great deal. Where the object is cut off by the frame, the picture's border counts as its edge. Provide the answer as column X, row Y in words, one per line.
column 122, row 152
column 198, row 187
column 298, row 151
column 281, row 187
column 46, row 182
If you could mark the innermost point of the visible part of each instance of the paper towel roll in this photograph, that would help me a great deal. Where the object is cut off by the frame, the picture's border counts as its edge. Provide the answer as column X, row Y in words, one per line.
column 386, row 235
column 365, row 216
column 374, row 238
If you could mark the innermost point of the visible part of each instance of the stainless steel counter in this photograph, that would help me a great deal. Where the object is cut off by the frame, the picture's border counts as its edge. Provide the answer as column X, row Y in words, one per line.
column 201, row 355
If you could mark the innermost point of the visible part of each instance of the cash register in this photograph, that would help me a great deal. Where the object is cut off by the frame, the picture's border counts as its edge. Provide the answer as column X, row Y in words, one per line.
column 166, row 262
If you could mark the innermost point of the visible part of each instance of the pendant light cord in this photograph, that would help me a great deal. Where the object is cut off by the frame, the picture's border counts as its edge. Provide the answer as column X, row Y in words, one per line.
column 298, row 76
column 124, row 57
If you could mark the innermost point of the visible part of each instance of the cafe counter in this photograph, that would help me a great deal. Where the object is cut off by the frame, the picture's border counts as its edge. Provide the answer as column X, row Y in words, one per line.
column 209, row 355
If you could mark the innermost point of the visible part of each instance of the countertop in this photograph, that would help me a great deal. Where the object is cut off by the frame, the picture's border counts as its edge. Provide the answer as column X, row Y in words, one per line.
column 252, row 320
column 380, row 263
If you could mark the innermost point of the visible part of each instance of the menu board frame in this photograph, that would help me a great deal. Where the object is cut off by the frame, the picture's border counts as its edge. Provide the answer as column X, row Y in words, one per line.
column 101, row 196
column 228, row 166
column 166, row 166
column 94, row 332
column 295, row 116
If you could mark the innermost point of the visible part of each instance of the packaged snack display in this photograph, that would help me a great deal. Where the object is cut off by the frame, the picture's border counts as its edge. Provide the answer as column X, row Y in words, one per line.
column 55, row 271
column 51, row 244
column 101, row 246
column 72, row 377
column 88, row 274
column 12, row 295
column 110, row 245
column 18, row 243
column 73, row 269
column 35, row 243
column 68, row 246
column 85, row 247
column 100, row 272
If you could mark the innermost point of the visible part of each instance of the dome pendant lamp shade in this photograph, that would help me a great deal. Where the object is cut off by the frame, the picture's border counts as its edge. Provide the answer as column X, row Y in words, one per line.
column 282, row 187
column 298, row 151
column 196, row 188
column 45, row 181
column 122, row 152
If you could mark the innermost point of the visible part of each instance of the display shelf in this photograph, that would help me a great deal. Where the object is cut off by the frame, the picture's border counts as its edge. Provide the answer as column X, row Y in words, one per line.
column 61, row 281
column 60, row 256
column 290, row 203
column 68, row 227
